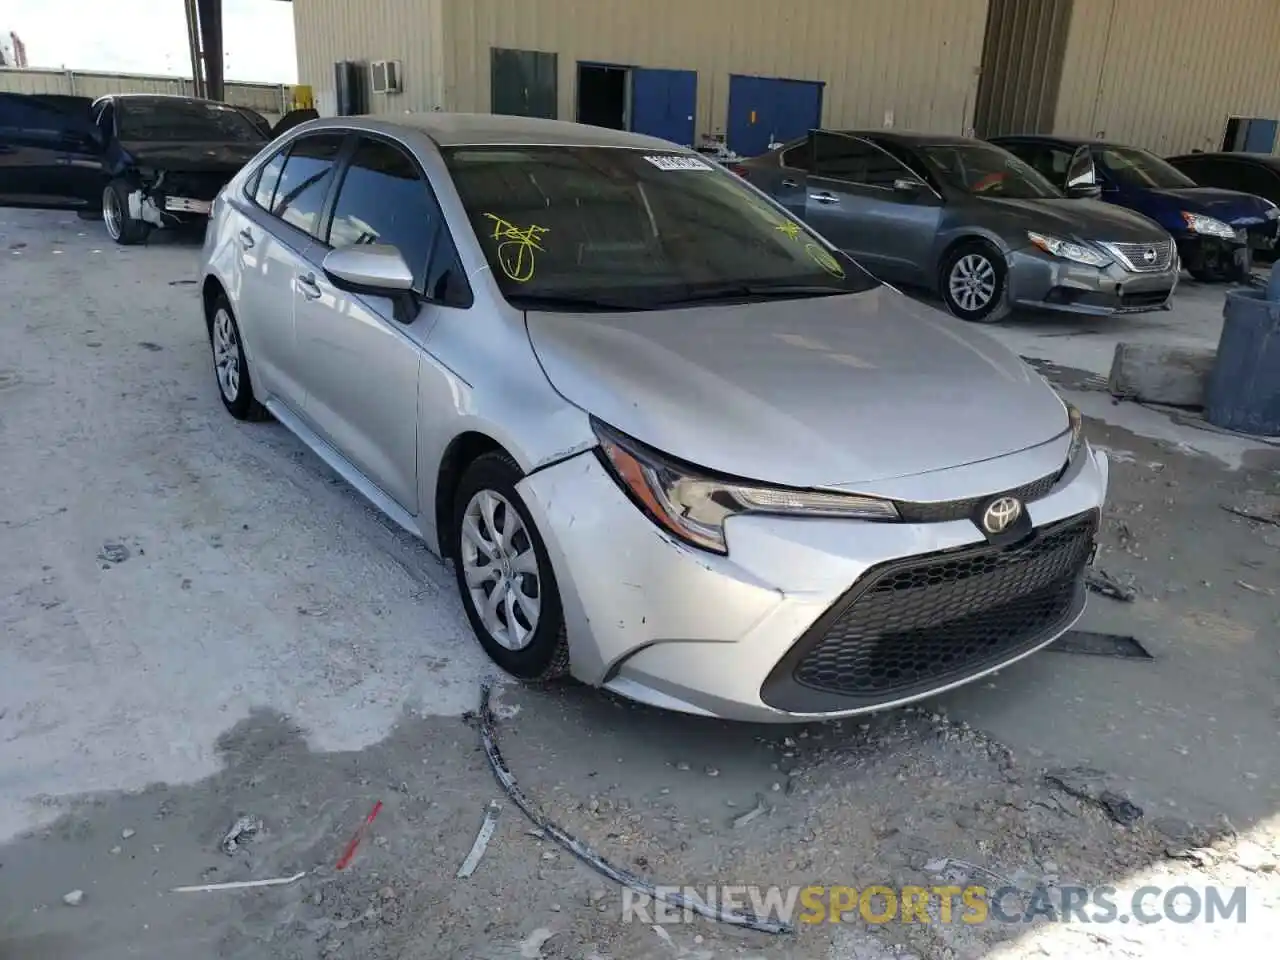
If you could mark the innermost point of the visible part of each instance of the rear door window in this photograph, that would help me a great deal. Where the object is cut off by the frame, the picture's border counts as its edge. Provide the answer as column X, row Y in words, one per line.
column 304, row 183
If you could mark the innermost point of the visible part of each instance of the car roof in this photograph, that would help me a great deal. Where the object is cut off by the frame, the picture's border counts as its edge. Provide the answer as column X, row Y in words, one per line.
column 483, row 129
column 909, row 138
column 1269, row 159
column 177, row 97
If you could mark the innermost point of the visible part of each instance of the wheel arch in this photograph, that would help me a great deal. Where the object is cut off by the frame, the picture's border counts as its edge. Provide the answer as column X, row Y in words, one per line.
column 954, row 241
column 460, row 453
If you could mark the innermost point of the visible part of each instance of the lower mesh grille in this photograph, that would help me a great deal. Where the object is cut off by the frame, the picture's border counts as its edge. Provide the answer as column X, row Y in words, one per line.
column 911, row 626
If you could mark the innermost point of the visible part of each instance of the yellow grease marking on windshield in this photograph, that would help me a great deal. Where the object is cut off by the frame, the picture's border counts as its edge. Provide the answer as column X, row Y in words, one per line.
column 824, row 259
column 789, row 228
column 516, row 247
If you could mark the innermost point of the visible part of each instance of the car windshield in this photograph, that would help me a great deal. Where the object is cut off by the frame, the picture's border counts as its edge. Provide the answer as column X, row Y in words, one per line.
column 1136, row 168
column 184, row 120
column 607, row 227
column 985, row 170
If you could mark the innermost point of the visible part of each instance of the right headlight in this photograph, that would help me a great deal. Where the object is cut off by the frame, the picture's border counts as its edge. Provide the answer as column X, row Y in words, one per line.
column 1208, row 226
column 1077, row 431
column 693, row 505
column 1067, row 249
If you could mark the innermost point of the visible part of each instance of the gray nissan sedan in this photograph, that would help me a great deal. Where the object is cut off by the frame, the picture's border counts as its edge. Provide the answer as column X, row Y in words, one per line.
column 973, row 223
column 675, row 443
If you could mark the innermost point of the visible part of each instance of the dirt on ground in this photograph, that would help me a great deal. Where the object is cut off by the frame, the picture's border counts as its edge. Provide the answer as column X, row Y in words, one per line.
column 203, row 628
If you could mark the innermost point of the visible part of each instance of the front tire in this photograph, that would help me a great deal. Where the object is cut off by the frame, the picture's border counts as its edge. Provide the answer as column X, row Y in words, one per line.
column 121, row 227
column 973, row 280
column 230, row 368
column 504, row 574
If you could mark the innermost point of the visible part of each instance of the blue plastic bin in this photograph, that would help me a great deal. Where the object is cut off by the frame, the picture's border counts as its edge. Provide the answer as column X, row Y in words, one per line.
column 1244, row 386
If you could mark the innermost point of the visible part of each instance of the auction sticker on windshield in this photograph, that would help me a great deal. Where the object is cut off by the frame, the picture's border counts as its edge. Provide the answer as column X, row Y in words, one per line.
column 672, row 162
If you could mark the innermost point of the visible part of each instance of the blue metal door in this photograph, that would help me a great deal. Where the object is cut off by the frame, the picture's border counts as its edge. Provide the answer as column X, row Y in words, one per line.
column 663, row 103
column 763, row 109
column 1260, row 135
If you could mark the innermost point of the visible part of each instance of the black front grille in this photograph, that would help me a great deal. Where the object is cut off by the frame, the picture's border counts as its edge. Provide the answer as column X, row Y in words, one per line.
column 963, row 509
column 911, row 626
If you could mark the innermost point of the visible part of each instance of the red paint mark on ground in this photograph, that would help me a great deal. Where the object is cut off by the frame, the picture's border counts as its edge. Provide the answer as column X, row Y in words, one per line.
column 350, row 851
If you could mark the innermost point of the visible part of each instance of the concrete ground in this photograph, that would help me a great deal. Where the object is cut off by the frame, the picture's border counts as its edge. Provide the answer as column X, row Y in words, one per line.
column 201, row 622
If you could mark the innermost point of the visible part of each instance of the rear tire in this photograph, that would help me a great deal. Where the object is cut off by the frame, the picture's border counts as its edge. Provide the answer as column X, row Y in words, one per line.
column 504, row 574
column 122, row 228
column 973, row 281
column 230, row 368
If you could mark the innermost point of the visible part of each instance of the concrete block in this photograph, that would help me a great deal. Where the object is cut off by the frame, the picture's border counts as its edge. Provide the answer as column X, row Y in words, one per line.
column 1155, row 373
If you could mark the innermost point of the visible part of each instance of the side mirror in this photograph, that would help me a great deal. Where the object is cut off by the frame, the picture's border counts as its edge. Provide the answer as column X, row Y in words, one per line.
column 369, row 268
column 1084, row 191
column 378, row 269
column 908, row 186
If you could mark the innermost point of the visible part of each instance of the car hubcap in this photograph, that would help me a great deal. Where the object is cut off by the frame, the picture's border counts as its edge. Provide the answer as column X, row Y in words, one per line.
column 111, row 214
column 501, row 569
column 226, row 355
column 972, row 282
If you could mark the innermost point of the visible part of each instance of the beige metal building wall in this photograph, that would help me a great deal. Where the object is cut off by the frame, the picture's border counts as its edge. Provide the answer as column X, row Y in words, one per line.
column 912, row 61
column 410, row 31
column 1166, row 74
column 266, row 98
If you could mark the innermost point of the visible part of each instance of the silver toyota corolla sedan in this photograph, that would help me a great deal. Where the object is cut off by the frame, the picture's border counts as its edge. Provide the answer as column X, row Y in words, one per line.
column 674, row 442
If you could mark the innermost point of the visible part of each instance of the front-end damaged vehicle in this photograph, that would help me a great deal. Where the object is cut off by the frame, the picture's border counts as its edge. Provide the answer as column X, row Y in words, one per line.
column 140, row 161
column 675, row 443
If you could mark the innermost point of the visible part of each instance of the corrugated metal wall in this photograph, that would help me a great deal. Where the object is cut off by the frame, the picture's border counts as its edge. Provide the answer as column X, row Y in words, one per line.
column 267, row 98
column 1022, row 59
column 916, row 60
column 410, row 31
column 1166, row 74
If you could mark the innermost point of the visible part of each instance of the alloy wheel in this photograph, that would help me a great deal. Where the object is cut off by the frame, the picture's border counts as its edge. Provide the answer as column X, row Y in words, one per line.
column 501, row 569
column 112, row 215
column 972, row 283
column 226, row 355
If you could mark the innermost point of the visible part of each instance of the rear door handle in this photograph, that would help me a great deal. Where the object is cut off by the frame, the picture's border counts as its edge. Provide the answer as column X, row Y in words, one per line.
column 308, row 286
column 824, row 197
column 246, row 239
column 790, row 183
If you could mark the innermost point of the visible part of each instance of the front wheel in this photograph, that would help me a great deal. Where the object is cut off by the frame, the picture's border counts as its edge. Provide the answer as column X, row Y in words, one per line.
column 973, row 279
column 504, row 575
column 121, row 227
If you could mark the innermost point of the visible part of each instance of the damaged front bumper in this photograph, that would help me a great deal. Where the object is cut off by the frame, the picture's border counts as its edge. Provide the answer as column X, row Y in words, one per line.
column 165, row 199
column 750, row 636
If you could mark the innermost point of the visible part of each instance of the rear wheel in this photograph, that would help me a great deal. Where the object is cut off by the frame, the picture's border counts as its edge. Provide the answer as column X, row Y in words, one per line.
column 972, row 281
column 230, row 368
column 121, row 227
column 504, row 575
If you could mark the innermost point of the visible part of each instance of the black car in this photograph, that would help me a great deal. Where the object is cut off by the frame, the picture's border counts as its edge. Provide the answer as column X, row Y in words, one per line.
column 1255, row 173
column 142, row 161
column 1217, row 230
column 971, row 222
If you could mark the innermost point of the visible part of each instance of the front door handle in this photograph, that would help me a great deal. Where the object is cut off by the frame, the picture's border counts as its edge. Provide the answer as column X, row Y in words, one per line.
column 824, row 197
column 790, row 184
column 308, row 287
column 246, row 239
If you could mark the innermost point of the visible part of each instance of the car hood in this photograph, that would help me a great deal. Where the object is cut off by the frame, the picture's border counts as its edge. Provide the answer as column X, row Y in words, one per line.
column 194, row 157
column 1230, row 206
column 1080, row 219
column 816, row 392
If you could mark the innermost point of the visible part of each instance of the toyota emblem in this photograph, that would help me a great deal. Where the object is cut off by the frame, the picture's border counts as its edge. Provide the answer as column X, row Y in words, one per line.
column 1001, row 514
column 1150, row 255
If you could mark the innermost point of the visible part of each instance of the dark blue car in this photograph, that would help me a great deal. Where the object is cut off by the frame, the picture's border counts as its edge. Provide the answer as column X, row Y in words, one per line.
column 1217, row 231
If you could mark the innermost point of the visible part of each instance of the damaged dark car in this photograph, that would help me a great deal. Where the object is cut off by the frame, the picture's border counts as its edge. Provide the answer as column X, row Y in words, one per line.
column 139, row 161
